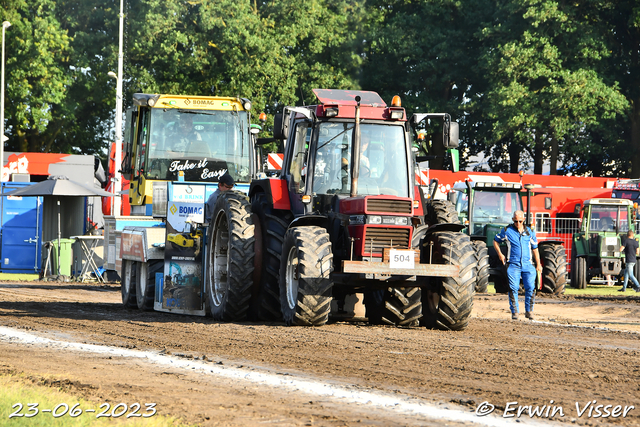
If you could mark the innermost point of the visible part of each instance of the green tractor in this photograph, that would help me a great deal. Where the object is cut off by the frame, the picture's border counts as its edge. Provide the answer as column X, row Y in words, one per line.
column 487, row 207
column 596, row 247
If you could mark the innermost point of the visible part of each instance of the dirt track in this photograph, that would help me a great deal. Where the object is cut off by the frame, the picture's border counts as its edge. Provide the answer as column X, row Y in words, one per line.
column 495, row 359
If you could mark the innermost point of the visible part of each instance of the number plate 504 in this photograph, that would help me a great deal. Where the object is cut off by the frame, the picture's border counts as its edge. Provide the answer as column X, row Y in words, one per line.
column 402, row 258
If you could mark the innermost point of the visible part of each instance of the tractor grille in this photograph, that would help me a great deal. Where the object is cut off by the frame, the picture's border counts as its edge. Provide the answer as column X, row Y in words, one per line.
column 377, row 238
column 389, row 206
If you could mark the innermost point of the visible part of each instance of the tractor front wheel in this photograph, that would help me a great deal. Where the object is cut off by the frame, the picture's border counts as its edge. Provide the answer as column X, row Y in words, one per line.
column 305, row 282
column 448, row 301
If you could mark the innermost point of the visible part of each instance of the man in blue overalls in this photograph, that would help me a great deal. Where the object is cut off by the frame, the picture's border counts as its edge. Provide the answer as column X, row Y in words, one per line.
column 521, row 242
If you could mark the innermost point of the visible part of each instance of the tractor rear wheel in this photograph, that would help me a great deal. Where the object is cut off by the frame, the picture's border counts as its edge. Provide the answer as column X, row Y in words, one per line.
column 482, row 268
column 398, row 306
column 273, row 226
column 305, row 270
column 440, row 212
column 554, row 268
column 448, row 301
column 128, row 284
column 146, row 283
column 394, row 306
column 230, row 254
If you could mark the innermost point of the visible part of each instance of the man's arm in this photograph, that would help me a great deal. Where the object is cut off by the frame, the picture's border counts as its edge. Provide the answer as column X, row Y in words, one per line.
column 496, row 246
column 536, row 256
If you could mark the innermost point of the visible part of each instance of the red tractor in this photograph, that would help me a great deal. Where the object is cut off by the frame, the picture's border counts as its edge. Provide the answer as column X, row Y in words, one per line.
column 345, row 216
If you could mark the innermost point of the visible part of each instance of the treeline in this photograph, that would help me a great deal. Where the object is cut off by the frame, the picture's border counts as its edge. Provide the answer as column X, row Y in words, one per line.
column 530, row 81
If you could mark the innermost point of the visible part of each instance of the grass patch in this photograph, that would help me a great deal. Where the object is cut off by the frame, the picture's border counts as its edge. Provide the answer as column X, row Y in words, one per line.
column 18, row 277
column 16, row 389
column 598, row 290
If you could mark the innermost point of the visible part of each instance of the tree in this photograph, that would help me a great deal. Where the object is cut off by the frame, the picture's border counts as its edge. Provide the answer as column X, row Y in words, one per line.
column 546, row 83
column 427, row 52
column 35, row 80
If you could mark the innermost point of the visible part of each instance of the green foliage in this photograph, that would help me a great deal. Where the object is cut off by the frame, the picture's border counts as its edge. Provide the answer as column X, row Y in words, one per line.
column 529, row 81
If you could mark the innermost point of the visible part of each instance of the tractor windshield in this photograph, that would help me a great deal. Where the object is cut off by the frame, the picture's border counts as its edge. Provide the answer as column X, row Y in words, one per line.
column 609, row 218
column 495, row 206
column 383, row 160
column 203, row 144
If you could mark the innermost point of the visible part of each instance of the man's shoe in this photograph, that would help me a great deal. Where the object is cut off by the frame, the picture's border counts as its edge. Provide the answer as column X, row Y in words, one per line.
column 637, row 289
column 621, row 290
column 528, row 315
column 514, row 316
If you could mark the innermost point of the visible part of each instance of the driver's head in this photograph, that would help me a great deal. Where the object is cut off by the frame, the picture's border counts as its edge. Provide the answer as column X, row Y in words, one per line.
column 185, row 125
column 364, row 141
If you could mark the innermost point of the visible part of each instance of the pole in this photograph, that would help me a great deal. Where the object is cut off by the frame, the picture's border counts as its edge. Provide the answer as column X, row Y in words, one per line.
column 59, row 231
column 5, row 25
column 117, row 185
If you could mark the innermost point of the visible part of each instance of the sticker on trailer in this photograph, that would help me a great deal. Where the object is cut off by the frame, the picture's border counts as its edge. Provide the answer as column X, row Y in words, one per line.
column 274, row 161
column 181, row 213
column 399, row 258
column 187, row 193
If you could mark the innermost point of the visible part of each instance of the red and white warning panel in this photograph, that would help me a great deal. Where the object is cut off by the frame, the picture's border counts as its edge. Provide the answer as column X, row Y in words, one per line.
column 274, row 161
column 422, row 177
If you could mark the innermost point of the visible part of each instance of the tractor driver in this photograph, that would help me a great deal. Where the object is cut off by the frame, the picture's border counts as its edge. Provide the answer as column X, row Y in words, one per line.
column 185, row 135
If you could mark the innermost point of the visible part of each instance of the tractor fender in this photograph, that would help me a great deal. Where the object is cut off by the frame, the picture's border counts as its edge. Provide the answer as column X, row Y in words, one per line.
column 445, row 227
column 275, row 190
column 307, row 220
column 580, row 248
column 549, row 242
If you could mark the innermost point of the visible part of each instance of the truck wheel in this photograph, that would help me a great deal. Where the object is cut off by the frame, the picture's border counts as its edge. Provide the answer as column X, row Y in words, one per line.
column 394, row 306
column 305, row 283
column 482, row 268
column 554, row 268
column 440, row 212
column 146, row 283
column 273, row 226
column 579, row 273
column 448, row 301
column 230, row 252
column 128, row 284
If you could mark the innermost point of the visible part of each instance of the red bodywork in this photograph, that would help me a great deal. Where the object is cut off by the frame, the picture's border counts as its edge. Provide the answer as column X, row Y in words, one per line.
column 369, row 240
column 125, row 207
column 279, row 194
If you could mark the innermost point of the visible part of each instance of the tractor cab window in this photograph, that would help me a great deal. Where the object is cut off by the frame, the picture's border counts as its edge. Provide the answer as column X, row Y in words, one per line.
column 298, row 168
column 202, row 143
column 383, row 159
column 609, row 218
column 495, row 206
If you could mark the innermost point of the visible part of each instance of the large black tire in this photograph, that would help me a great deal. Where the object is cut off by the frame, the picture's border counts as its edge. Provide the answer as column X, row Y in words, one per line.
column 146, row 283
column 398, row 306
column 579, row 273
column 482, row 267
column 128, row 284
column 554, row 268
column 305, row 276
column 394, row 306
column 273, row 226
column 230, row 253
column 440, row 212
column 448, row 301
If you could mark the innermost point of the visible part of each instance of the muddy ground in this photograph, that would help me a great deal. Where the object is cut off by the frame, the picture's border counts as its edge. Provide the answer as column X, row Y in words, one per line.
column 578, row 350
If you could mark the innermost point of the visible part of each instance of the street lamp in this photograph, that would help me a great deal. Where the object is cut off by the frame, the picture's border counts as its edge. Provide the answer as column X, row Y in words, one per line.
column 5, row 25
column 117, row 184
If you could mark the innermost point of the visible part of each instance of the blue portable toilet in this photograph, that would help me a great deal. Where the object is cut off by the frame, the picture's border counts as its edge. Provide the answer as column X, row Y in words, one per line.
column 20, row 231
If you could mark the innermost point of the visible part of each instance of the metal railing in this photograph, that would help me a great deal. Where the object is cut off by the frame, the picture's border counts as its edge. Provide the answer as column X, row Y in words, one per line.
column 562, row 229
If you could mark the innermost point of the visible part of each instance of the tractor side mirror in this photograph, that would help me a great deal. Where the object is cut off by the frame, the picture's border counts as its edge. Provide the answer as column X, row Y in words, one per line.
column 450, row 135
column 278, row 131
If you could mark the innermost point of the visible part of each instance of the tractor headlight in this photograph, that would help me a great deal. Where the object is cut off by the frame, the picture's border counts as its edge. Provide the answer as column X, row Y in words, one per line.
column 401, row 220
column 375, row 219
